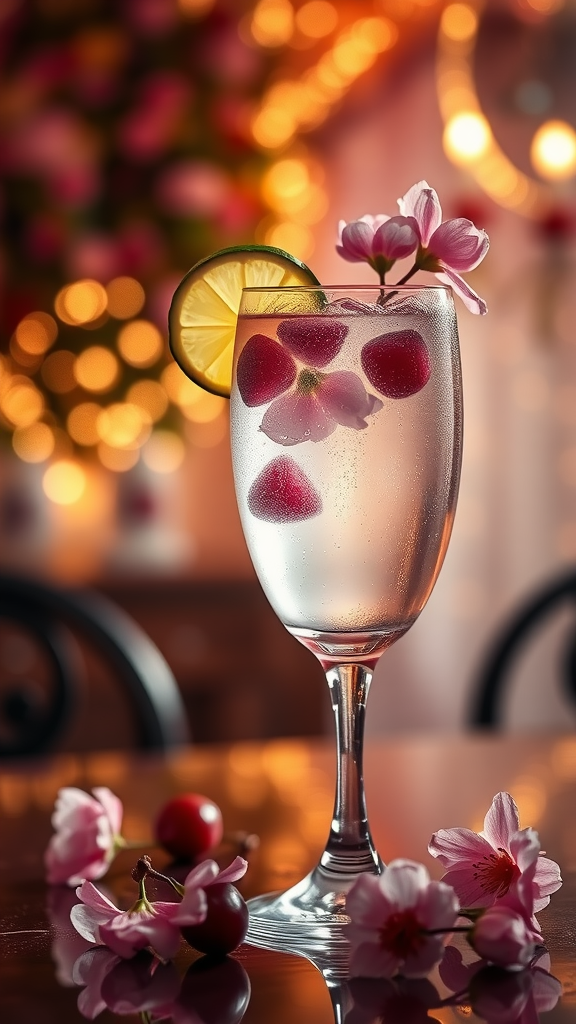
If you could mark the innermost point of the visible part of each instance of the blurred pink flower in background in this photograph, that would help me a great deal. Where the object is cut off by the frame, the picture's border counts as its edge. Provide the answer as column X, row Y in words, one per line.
column 193, row 188
column 94, row 255
column 87, row 835
column 151, row 125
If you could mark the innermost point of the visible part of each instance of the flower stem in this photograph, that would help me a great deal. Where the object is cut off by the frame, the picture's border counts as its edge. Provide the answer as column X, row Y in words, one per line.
column 407, row 276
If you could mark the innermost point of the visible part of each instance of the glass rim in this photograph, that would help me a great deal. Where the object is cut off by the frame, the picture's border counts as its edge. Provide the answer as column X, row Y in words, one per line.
column 347, row 288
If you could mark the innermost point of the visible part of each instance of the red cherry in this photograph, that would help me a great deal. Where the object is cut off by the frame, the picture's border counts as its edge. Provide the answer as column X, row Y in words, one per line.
column 398, row 364
column 189, row 825
column 265, row 370
column 282, row 493
column 313, row 339
column 225, row 924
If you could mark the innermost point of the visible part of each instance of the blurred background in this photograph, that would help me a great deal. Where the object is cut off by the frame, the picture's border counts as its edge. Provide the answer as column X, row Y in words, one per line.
column 138, row 136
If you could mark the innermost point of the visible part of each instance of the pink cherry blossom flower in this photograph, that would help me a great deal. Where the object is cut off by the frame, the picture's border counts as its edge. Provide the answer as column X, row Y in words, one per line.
column 378, row 240
column 87, row 835
column 445, row 247
column 319, row 403
column 501, row 860
column 319, row 400
column 148, row 925
column 392, row 916
column 503, row 937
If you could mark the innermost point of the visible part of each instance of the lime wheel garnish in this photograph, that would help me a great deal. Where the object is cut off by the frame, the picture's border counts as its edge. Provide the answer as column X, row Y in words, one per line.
column 204, row 310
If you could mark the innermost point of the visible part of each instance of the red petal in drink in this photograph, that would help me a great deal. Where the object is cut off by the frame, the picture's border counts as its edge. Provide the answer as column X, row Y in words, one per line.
column 314, row 340
column 397, row 364
column 265, row 370
column 282, row 493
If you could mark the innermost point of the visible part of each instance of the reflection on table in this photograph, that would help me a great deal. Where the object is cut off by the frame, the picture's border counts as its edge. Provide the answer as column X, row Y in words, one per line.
column 283, row 791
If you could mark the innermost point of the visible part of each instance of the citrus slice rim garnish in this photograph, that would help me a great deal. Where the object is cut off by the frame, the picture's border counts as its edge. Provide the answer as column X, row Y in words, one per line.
column 204, row 308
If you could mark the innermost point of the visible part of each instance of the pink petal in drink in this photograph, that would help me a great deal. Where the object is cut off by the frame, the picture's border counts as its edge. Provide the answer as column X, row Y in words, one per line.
column 397, row 364
column 282, row 493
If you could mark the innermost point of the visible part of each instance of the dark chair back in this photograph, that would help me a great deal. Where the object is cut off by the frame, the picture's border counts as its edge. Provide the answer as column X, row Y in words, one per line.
column 28, row 726
column 486, row 709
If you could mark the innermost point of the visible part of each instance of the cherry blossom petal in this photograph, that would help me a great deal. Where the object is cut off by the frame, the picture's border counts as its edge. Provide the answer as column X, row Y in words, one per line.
column 451, row 845
column 343, row 396
column 501, row 822
column 503, row 937
column 112, row 806
column 87, row 922
column 469, row 297
column 470, row 892
column 422, row 203
column 237, row 869
column 201, row 875
column 371, row 961
column 85, row 831
column 396, row 238
column 546, row 989
column 356, row 242
column 403, row 880
column 92, row 897
column 292, row 419
column 459, row 244
column 129, row 932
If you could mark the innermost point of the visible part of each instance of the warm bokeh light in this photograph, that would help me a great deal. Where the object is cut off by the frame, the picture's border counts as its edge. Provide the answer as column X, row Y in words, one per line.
column 119, row 460
column 205, row 408
column 125, row 297
column 467, row 137
column 273, row 127
column 459, row 22
column 553, row 151
column 179, row 388
column 58, row 371
column 150, row 396
column 164, row 451
column 96, row 369
column 81, row 423
column 140, row 343
column 34, row 443
column 272, row 22
column 351, row 58
column 123, row 425
column 285, row 182
column 22, row 403
column 36, row 333
column 316, row 19
column 545, row 6
column 64, row 482
column 81, row 302
column 375, row 35
column 24, row 359
column 294, row 238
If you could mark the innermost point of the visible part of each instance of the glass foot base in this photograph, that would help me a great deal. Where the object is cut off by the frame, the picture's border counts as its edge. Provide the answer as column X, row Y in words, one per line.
column 307, row 919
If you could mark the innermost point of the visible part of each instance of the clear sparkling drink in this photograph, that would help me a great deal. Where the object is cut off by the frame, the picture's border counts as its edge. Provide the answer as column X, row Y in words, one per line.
column 346, row 430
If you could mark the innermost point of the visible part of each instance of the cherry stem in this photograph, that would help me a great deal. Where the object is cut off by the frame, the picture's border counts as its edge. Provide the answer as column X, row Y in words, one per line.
column 245, row 841
column 144, row 868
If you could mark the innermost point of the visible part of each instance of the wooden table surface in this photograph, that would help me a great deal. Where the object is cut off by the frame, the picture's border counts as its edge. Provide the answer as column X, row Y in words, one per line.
column 283, row 791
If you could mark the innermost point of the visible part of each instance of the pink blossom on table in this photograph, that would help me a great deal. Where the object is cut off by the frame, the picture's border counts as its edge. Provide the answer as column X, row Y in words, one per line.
column 501, row 996
column 87, row 835
column 503, row 937
column 445, row 247
column 391, row 917
column 320, row 402
column 149, row 924
column 145, row 925
column 141, row 985
column 378, row 240
column 483, row 867
column 66, row 944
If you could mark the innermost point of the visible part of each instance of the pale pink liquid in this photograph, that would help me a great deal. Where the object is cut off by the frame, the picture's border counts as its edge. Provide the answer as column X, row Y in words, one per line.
column 351, row 580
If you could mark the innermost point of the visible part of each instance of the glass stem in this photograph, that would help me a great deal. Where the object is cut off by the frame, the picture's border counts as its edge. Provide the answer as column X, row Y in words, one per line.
column 349, row 849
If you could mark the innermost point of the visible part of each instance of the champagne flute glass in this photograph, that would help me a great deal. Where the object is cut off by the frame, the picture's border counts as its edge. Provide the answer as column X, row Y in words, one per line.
column 346, row 429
